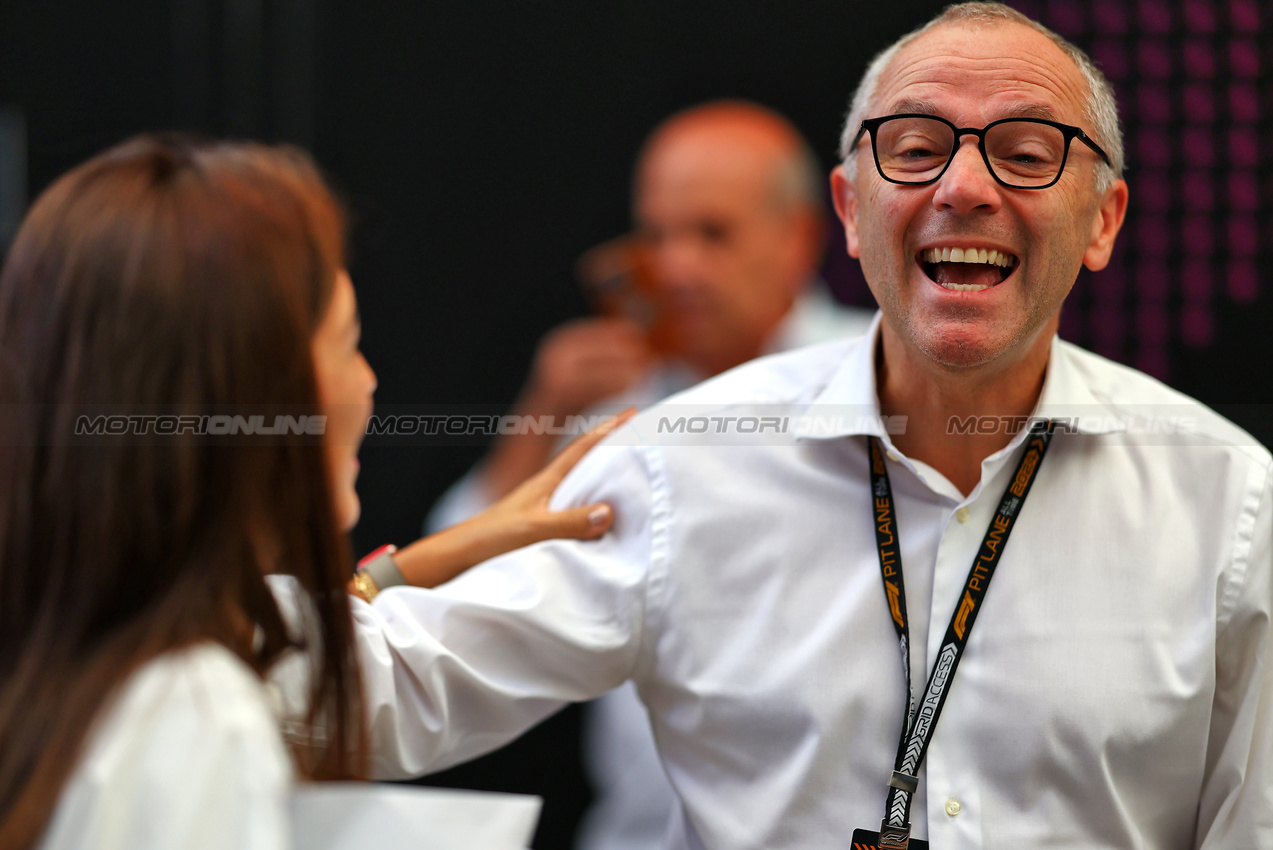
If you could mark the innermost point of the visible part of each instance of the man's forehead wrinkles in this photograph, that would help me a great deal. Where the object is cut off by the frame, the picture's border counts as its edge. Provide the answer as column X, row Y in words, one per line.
column 1021, row 109
column 1038, row 92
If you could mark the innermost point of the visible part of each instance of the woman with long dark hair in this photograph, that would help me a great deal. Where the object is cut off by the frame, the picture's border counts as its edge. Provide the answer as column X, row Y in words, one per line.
column 186, row 281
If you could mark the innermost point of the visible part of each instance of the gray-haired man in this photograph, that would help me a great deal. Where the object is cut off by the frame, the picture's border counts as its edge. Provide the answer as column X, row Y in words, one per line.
column 1115, row 691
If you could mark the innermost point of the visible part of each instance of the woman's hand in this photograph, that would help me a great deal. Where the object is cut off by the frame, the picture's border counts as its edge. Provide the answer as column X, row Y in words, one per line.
column 519, row 519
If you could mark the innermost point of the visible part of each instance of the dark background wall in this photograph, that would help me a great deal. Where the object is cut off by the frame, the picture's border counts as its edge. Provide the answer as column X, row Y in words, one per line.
column 483, row 145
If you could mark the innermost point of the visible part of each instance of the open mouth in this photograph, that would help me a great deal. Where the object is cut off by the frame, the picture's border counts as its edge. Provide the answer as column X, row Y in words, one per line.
column 967, row 269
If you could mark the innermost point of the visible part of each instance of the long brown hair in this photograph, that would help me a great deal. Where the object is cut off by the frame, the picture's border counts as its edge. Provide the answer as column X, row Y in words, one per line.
column 165, row 274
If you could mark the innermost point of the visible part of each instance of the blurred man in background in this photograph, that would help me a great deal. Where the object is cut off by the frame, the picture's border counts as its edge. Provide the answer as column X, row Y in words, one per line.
column 730, row 230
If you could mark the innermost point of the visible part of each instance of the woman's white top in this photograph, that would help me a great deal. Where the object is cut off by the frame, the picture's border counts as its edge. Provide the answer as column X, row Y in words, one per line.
column 188, row 756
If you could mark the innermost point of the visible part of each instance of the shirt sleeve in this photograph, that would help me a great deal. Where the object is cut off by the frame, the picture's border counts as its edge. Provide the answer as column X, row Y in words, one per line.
column 456, row 671
column 1236, row 803
column 190, row 758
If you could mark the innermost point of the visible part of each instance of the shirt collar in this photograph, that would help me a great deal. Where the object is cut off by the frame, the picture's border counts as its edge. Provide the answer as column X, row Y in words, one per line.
column 849, row 404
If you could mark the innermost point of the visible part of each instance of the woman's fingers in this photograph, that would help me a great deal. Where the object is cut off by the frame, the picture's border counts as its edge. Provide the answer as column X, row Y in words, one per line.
column 583, row 523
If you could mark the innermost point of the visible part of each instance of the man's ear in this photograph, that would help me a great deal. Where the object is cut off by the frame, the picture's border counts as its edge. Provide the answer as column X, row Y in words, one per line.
column 1105, row 226
column 844, row 197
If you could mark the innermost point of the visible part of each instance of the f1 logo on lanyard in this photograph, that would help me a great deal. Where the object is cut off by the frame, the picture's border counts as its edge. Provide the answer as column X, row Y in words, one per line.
column 889, row 838
column 921, row 718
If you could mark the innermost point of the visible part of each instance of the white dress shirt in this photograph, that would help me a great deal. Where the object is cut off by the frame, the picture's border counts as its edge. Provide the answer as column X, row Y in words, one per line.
column 187, row 756
column 632, row 800
column 1116, row 691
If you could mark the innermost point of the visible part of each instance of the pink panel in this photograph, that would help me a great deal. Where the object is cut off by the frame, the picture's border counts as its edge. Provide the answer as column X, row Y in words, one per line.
column 1244, row 194
column 1244, row 147
column 1196, row 326
column 1200, row 59
column 1151, row 190
column 1153, row 325
column 1198, row 190
column 1153, row 59
column 1196, row 236
column 1153, row 237
column 1244, row 102
column 1243, row 236
column 1153, row 145
column 1111, row 56
column 1066, row 17
column 1198, row 148
column 1244, row 59
column 1197, row 281
column 1154, row 103
column 1244, row 15
column 1200, row 102
column 1153, row 280
column 1199, row 16
column 1154, row 16
column 1110, row 17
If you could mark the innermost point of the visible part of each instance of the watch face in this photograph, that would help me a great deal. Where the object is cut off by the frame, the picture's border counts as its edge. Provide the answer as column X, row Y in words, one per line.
column 365, row 586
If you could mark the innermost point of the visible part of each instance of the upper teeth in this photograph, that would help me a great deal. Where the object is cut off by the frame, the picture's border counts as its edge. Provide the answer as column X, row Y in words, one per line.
column 968, row 255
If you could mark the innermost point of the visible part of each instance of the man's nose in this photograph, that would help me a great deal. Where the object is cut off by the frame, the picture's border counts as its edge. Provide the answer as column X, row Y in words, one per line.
column 967, row 184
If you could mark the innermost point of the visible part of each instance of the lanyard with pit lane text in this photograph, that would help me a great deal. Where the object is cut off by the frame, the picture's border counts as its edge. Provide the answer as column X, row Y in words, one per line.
column 921, row 719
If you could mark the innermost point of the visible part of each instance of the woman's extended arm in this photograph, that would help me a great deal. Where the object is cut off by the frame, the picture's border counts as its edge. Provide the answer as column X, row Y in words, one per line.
column 520, row 518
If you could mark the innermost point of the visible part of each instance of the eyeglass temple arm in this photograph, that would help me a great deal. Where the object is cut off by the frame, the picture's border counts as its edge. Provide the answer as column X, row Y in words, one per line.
column 1087, row 140
column 861, row 132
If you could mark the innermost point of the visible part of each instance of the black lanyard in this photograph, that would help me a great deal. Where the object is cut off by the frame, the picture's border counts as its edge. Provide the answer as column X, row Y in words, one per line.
column 921, row 719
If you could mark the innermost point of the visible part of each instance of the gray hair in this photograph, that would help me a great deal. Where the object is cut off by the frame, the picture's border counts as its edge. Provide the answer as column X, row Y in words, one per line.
column 1100, row 110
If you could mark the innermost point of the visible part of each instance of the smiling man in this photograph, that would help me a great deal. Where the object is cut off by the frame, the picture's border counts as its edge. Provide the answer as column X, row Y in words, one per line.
column 965, row 332
column 808, row 616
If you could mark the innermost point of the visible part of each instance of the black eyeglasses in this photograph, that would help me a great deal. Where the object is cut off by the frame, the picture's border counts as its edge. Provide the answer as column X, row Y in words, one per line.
column 1021, row 153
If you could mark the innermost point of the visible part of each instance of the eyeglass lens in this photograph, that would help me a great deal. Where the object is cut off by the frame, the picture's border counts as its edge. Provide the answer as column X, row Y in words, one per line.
column 1021, row 153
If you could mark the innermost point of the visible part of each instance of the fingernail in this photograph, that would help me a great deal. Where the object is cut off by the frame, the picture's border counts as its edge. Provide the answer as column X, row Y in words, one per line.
column 599, row 514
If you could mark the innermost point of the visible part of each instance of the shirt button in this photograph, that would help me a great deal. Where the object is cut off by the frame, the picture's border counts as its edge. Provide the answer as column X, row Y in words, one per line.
column 962, row 516
column 953, row 807
column 891, row 456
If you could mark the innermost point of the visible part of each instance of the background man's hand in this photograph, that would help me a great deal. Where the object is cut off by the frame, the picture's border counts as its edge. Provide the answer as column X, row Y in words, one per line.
column 584, row 362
